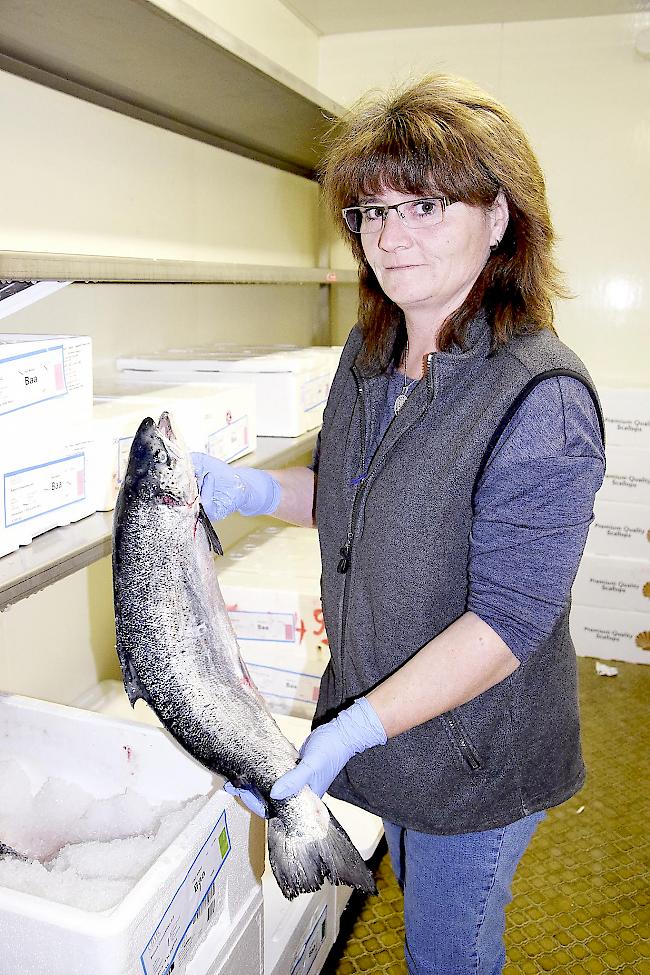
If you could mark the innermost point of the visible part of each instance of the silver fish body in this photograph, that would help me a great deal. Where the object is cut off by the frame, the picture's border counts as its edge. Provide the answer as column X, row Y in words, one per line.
column 178, row 652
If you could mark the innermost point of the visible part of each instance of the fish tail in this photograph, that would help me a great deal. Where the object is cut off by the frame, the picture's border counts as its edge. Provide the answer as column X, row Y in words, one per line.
column 304, row 852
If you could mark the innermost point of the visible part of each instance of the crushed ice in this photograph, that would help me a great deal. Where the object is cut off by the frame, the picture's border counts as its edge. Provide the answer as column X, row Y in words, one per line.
column 87, row 852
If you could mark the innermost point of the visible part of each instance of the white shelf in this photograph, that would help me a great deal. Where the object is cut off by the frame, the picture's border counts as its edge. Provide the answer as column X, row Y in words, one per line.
column 62, row 551
column 35, row 266
column 163, row 62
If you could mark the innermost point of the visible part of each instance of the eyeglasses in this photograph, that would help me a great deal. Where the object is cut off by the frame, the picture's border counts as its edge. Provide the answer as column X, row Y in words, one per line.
column 416, row 214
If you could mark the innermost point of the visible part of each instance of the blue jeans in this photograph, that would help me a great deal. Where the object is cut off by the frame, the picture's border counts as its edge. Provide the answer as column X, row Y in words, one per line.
column 456, row 889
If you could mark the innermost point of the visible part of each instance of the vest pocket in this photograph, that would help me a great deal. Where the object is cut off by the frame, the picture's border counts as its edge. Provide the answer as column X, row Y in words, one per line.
column 458, row 735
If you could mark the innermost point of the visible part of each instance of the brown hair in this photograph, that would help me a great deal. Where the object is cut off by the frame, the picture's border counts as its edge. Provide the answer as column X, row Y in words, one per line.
column 445, row 133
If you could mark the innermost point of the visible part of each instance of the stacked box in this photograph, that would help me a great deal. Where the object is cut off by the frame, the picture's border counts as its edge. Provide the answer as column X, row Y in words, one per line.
column 271, row 586
column 206, row 882
column 291, row 386
column 219, row 421
column 45, row 431
column 610, row 614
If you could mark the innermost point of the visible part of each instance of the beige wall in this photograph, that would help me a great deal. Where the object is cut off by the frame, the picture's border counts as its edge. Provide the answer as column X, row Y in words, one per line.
column 271, row 28
column 583, row 95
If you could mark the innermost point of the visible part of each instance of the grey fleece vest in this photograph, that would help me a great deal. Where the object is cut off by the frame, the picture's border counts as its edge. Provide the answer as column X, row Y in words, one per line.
column 394, row 536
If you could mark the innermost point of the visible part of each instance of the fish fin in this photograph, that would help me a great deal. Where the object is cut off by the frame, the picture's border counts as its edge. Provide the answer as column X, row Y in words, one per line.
column 8, row 851
column 213, row 538
column 302, row 860
column 132, row 684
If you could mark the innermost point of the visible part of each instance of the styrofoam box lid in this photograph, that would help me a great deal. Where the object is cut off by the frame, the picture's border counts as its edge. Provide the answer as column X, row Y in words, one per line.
column 210, row 360
column 15, row 338
column 159, row 388
column 364, row 829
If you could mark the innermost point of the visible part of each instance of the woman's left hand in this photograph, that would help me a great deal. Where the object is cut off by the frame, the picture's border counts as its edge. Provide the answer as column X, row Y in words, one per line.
column 330, row 747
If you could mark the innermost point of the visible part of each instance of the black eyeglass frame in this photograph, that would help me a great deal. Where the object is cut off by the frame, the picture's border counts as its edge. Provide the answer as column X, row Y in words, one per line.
column 445, row 200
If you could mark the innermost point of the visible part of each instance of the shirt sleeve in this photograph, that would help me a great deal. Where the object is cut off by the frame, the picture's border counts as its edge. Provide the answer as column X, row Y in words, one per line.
column 533, row 508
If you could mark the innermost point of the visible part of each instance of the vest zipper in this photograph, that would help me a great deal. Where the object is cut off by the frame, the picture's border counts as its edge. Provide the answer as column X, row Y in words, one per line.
column 346, row 550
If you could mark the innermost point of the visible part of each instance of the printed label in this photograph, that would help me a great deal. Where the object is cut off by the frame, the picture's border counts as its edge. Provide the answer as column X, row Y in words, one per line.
column 123, row 450
column 307, row 954
column 192, row 903
column 277, row 684
column 313, row 393
column 275, row 627
column 230, row 441
column 38, row 490
column 31, row 378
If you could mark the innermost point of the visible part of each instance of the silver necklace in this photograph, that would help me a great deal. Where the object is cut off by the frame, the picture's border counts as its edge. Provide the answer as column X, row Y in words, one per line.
column 406, row 388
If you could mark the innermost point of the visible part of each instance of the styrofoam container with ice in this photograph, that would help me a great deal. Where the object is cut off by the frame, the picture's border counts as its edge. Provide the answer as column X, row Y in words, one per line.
column 205, row 870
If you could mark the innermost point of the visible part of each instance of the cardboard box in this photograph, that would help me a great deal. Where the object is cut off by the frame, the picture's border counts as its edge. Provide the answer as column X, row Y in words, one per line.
column 44, row 484
column 619, row 530
column 44, row 380
column 610, row 634
column 622, row 584
column 291, row 387
column 271, row 586
column 202, row 881
column 627, row 477
column 627, row 416
column 217, row 420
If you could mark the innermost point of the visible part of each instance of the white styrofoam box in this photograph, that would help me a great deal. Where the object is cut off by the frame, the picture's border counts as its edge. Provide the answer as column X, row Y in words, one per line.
column 44, row 483
column 220, row 420
column 627, row 416
column 291, row 388
column 364, row 829
column 610, row 633
column 298, row 934
column 44, row 379
column 114, row 425
column 627, row 478
column 241, row 952
column 331, row 354
column 211, row 863
column 621, row 530
column 622, row 584
column 271, row 586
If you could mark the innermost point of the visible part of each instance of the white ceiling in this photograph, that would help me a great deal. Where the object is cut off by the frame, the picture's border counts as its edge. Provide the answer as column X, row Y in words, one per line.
column 344, row 16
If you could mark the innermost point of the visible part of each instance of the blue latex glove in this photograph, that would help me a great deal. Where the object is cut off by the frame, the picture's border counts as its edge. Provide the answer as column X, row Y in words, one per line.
column 225, row 489
column 330, row 747
column 249, row 796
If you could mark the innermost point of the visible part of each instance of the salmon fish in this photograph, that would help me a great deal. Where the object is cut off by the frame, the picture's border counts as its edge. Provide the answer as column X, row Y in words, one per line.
column 179, row 653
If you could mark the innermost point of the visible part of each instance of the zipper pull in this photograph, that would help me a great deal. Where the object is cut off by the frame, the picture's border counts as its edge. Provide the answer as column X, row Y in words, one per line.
column 344, row 561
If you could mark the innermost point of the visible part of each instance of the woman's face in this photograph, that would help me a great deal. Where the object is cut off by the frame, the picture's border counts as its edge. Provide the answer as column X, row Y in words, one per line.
column 429, row 272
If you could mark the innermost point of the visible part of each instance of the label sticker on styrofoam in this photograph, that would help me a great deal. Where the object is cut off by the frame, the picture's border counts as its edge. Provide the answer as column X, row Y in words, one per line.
column 123, row 451
column 313, row 392
column 193, row 900
column 39, row 490
column 31, row 378
column 231, row 441
column 278, row 684
column 306, row 955
column 275, row 627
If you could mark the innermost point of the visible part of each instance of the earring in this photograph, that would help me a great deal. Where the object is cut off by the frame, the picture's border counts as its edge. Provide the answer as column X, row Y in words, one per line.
column 494, row 247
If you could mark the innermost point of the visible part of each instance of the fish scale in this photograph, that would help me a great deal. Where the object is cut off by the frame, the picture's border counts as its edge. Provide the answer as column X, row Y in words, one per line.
column 179, row 653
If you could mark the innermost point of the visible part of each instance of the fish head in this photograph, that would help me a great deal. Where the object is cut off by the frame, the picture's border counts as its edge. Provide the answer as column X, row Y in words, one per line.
column 159, row 467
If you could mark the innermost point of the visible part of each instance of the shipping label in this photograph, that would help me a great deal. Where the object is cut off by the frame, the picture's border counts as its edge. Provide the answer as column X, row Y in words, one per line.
column 274, row 627
column 192, row 904
column 313, row 392
column 39, row 490
column 231, row 441
column 123, row 450
column 306, row 955
column 31, row 378
column 298, row 690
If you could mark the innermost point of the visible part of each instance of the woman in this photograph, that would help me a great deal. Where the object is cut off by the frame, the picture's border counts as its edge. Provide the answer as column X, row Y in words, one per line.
column 452, row 490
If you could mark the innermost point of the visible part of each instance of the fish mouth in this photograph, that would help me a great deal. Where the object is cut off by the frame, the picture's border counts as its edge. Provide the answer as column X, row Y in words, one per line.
column 165, row 427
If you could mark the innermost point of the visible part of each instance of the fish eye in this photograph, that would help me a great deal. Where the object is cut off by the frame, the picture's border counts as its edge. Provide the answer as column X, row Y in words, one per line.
column 161, row 456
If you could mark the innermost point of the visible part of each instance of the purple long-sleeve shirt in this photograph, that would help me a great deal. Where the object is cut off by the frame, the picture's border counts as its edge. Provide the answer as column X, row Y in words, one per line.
column 533, row 508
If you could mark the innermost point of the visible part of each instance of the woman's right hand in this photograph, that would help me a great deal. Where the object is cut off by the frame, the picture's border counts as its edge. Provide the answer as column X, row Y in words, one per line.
column 225, row 489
